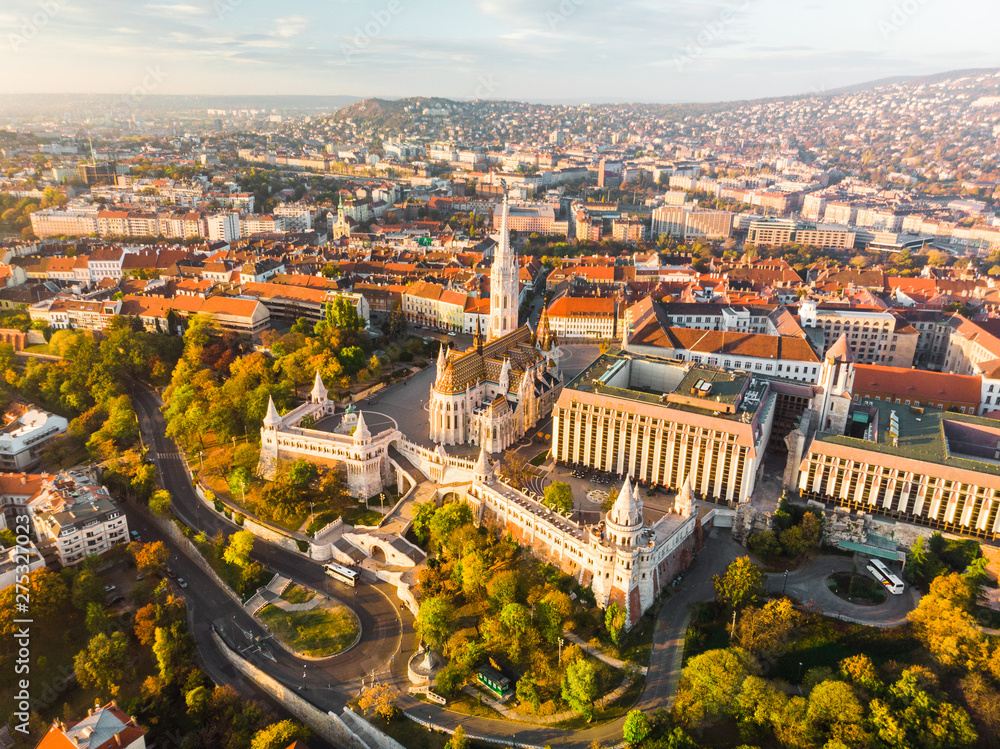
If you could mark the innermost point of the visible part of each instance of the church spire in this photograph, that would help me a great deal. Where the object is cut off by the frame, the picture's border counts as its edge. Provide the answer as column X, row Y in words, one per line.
column 503, row 280
column 271, row 420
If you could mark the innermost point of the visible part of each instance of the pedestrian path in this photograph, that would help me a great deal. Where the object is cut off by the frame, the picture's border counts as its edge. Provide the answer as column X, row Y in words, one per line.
column 610, row 660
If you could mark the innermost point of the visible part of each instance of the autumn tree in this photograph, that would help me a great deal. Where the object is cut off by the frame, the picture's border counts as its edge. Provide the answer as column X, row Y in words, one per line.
column 710, row 682
column 434, row 621
column 458, row 739
column 280, row 735
column 742, row 584
column 238, row 550
column 614, row 622
column 102, row 663
column 380, row 700
column 150, row 558
column 765, row 631
column 159, row 503
column 943, row 622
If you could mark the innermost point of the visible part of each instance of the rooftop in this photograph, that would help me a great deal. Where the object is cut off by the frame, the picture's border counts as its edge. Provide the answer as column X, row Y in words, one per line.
column 957, row 440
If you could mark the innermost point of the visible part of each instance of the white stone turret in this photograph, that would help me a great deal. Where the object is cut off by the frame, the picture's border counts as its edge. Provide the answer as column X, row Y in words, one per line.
column 318, row 394
column 504, row 382
column 483, row 470
column 361, row 433
column 624, row 522
column 684, row 501
column 271, row 419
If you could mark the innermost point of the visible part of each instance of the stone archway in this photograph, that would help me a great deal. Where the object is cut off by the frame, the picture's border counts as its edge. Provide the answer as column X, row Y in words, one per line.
column 378, row 554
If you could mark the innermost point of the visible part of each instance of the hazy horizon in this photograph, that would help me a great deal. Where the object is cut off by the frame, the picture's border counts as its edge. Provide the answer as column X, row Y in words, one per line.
column 555, row 51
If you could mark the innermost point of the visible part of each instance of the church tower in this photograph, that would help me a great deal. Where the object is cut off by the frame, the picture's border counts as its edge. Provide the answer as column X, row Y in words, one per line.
column 503, row 282
column 836, row 383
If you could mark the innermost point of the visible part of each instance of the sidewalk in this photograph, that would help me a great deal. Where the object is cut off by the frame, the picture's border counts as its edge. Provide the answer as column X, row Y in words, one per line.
column 610, row 660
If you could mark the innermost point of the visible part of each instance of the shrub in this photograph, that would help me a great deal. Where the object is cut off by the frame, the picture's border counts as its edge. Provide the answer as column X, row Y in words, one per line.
column 303, row 545
column 239, row 519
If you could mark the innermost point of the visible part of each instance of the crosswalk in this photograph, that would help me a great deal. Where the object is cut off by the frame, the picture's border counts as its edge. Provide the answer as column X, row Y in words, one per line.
column 173, row 455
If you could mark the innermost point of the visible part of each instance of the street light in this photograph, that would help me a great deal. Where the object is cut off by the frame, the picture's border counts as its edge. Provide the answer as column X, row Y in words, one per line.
column 561, row 641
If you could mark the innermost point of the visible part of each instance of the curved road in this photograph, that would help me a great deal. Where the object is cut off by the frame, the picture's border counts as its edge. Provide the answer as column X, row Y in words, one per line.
column 388, row 638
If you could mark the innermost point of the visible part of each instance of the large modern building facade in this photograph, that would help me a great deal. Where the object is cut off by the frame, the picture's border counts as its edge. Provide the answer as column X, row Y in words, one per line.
column 662, row 421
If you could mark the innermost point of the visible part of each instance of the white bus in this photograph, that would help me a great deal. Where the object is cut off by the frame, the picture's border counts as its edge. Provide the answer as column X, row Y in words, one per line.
column 345, row 575
column 885, row 576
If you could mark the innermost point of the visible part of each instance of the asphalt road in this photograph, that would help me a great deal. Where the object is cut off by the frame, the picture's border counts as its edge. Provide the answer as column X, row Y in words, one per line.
column 386, row 628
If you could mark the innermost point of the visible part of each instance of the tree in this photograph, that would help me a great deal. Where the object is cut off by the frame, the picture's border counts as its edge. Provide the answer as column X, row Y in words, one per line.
column 859, row 670
column 197, row 701
column 279, row 735
column 169, row 646
column 636, row 727
column 765, row 545
column 514, row 469
column 942, row 622
column 458, row 739
column 579, row 687
column 527, row 691
column 614, row 621
column 834, row 702
column 503, row 588
column 150, row 558
column 710, row 682
column 434, row 621
column 800, row 539
column 742, row 584
column 102, row 662
column 238, row 551
column 765, row 631
column 423, row 512
column 447, row 520
column 302, row 473
column 159, row 503
column 379, row 699
column 559, row 496
column 97, row 618
column 87, row 589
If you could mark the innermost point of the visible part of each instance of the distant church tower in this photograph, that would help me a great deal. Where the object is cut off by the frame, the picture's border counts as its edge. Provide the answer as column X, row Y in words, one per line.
column 503, row 282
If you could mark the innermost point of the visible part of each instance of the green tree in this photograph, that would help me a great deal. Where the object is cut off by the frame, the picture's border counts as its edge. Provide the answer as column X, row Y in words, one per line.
column 636, row 728
column 834, row 702
column 238, row 551
column 279, row 735
column 97, row 618
column 197, row 701
column 614, row 622
column 559, row 496
column 102, row 663
column 87, row 589
column 711, row 681
column 527, row 691
column 159, row 503
column 765, row 631
column 765, row 545
column 423, row 512
column 579, row 687
column 448, row 519
column 458, row 739
column 742, row 584
column 434, row 621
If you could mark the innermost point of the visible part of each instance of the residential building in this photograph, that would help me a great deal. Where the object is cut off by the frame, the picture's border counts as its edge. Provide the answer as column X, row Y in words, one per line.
column 25, row 432
column 918, row 388
column 688, row 222
column 583, row 318
column 876, row 335
column 106, row 727
column 74, row 517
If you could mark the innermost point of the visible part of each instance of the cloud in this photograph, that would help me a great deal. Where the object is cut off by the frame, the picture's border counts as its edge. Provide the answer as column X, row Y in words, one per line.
column 290, row 26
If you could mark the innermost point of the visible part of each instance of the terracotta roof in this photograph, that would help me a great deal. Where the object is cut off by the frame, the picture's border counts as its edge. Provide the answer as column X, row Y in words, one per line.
column 22, row 484
column 917, row 384
column 570, row 306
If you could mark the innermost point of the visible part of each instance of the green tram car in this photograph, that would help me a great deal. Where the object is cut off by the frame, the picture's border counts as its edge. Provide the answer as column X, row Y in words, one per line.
column 494, row 681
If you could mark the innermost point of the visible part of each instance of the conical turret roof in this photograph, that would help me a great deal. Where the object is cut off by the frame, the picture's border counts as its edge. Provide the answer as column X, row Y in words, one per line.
column 361, row 432
column 319, row 389
column 271, row 419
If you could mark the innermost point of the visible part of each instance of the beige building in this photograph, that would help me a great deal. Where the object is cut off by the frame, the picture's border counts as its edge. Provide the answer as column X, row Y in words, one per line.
column 877, row 336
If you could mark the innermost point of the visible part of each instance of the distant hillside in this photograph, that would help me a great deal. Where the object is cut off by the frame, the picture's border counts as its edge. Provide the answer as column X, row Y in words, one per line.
column 394, row 113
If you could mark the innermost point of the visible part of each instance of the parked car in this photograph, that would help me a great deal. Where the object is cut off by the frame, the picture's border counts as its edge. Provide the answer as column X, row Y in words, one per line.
column 170, row 573
column 116, row 599
column 139, row 577
column 182, row 582
column 108, row 588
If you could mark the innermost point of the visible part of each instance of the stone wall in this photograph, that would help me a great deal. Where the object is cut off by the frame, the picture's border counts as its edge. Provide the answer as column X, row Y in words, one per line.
column 327, row 725
column 749, row 520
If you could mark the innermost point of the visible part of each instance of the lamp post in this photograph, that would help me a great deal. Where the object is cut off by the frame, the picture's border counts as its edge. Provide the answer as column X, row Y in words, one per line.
column 561, row 641
column 785, row 583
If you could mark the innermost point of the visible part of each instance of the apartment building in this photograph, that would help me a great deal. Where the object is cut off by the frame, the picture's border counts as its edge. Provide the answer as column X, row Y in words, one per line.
column 25, row 432
column 687, row 222
column 74, row 517
column 876, row 336
column 583, row 318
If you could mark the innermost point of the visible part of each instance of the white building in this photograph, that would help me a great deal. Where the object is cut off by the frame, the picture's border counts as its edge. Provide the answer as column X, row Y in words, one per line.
column 25, row 433
column 223, row 227
column 74, row 517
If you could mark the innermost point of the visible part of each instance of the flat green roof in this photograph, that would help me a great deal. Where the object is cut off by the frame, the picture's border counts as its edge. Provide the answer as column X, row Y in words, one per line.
column 921, row 436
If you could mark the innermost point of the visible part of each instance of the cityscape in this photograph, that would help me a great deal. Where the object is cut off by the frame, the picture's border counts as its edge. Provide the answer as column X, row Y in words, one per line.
column 702, row 447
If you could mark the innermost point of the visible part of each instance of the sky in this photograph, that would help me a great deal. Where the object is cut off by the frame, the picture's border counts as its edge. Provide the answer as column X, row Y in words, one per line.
column 534, row 50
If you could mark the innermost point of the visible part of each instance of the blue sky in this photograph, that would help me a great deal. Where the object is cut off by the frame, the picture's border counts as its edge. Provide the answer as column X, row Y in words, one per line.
column 538, row 50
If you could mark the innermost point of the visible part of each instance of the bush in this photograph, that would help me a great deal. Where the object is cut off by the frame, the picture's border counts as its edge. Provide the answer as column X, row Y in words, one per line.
column 405, row 356
column 303, row 545
column 219, row 507
column 765, row 545
column 239, row 519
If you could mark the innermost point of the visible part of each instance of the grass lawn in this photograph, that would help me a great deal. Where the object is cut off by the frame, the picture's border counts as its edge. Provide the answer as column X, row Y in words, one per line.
column 858, row 589
column 540, row 458
column 315, row 633
column 298, row 594
column 411, row 735
column 360, row 515
column 38, row 348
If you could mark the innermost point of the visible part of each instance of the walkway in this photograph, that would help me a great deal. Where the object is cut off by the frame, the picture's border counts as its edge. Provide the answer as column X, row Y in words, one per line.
column 611, row 661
